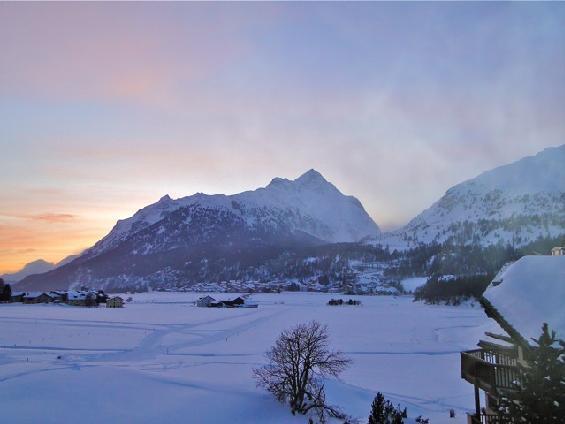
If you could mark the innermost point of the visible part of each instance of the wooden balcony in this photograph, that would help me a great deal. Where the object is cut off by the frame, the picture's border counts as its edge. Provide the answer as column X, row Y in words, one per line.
column 488, row 370
column 487, row 419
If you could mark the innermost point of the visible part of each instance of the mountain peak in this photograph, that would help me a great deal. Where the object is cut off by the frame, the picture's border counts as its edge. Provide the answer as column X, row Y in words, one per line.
column 37, row 262
column 311, row 175
column 165, row 198
column 309, row 179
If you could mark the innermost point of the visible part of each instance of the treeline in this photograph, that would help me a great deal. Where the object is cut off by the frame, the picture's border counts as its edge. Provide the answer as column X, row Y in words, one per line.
column 452, row 259
column 327, row 264
column 333, row 265
column 446, row 259
column 453, row 291
column 516, row 225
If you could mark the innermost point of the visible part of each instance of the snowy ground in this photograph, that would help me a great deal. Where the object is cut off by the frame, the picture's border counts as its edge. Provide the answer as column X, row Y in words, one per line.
column 160, row 359
column 411, row 284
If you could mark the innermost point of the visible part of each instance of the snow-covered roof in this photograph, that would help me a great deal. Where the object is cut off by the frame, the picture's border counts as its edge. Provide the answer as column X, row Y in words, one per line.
column 207, row 298
column 529, row 292
column 31, row 295
column 73, row 295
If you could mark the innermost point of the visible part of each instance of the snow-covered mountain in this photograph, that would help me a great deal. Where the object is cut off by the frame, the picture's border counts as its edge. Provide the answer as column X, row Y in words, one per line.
column 308, row 204
column 35, row 267
column 511, row 204
column 183, row 238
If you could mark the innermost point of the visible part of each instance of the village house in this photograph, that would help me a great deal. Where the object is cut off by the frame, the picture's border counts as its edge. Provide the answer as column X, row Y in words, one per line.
column 235, row 303
column 75, row 298
column 558, row 251
column 204, row 302
column 238, row 302
column 17, row 296
column 115, row 302
column 101, row 297
column 58, row 296
column 521, row 298
column 37, row 297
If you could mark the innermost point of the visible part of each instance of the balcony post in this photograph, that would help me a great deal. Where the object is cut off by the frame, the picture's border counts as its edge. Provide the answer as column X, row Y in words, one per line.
column 477, row 403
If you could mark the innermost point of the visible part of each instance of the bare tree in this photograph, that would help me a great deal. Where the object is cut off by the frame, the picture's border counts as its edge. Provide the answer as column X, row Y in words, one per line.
column 297, row 363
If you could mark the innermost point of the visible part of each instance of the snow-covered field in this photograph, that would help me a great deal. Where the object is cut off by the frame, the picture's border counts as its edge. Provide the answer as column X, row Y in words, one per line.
column 162, row 360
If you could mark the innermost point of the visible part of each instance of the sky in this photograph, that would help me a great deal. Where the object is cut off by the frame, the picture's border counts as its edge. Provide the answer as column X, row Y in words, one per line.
column 106, row 107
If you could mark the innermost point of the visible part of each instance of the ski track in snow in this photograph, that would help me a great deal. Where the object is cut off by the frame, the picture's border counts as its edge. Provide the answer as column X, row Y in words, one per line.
column 213, row 351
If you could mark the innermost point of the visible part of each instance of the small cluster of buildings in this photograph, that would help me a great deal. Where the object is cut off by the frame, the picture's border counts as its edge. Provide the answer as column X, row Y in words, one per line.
column 210, row 302
column 71, row 297
column 368, row 280
column 339, row 302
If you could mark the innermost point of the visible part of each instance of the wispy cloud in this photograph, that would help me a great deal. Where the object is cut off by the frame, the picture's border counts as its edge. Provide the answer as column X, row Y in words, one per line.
column 17, row 251
column 54, row 217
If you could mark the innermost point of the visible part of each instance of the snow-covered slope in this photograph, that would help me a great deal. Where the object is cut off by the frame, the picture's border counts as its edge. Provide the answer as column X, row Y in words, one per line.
column 200, row 236
column 515, row 203
column 530, row 292
column 161, row 360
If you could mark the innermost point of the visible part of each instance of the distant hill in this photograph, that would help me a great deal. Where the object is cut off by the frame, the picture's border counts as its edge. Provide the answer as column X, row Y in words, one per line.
column 36, row 267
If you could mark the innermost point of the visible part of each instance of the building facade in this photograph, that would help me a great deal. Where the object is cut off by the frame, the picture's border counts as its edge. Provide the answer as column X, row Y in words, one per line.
column 115, row 302
column 558, row 251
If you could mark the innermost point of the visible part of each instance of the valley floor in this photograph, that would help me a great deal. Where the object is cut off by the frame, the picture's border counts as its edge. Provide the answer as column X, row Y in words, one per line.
column 160, row 359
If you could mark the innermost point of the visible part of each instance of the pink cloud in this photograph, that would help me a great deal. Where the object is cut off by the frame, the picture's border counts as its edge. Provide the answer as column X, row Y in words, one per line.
column 54, row 217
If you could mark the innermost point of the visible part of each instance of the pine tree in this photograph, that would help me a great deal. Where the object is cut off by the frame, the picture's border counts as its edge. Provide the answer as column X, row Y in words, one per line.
column 377, row 410
column 540, row 394
column 6, row 294
column 384, row 412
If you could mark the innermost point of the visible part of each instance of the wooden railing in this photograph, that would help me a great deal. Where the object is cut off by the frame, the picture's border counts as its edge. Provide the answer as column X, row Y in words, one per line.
column 490, row 371
column 489, row 419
